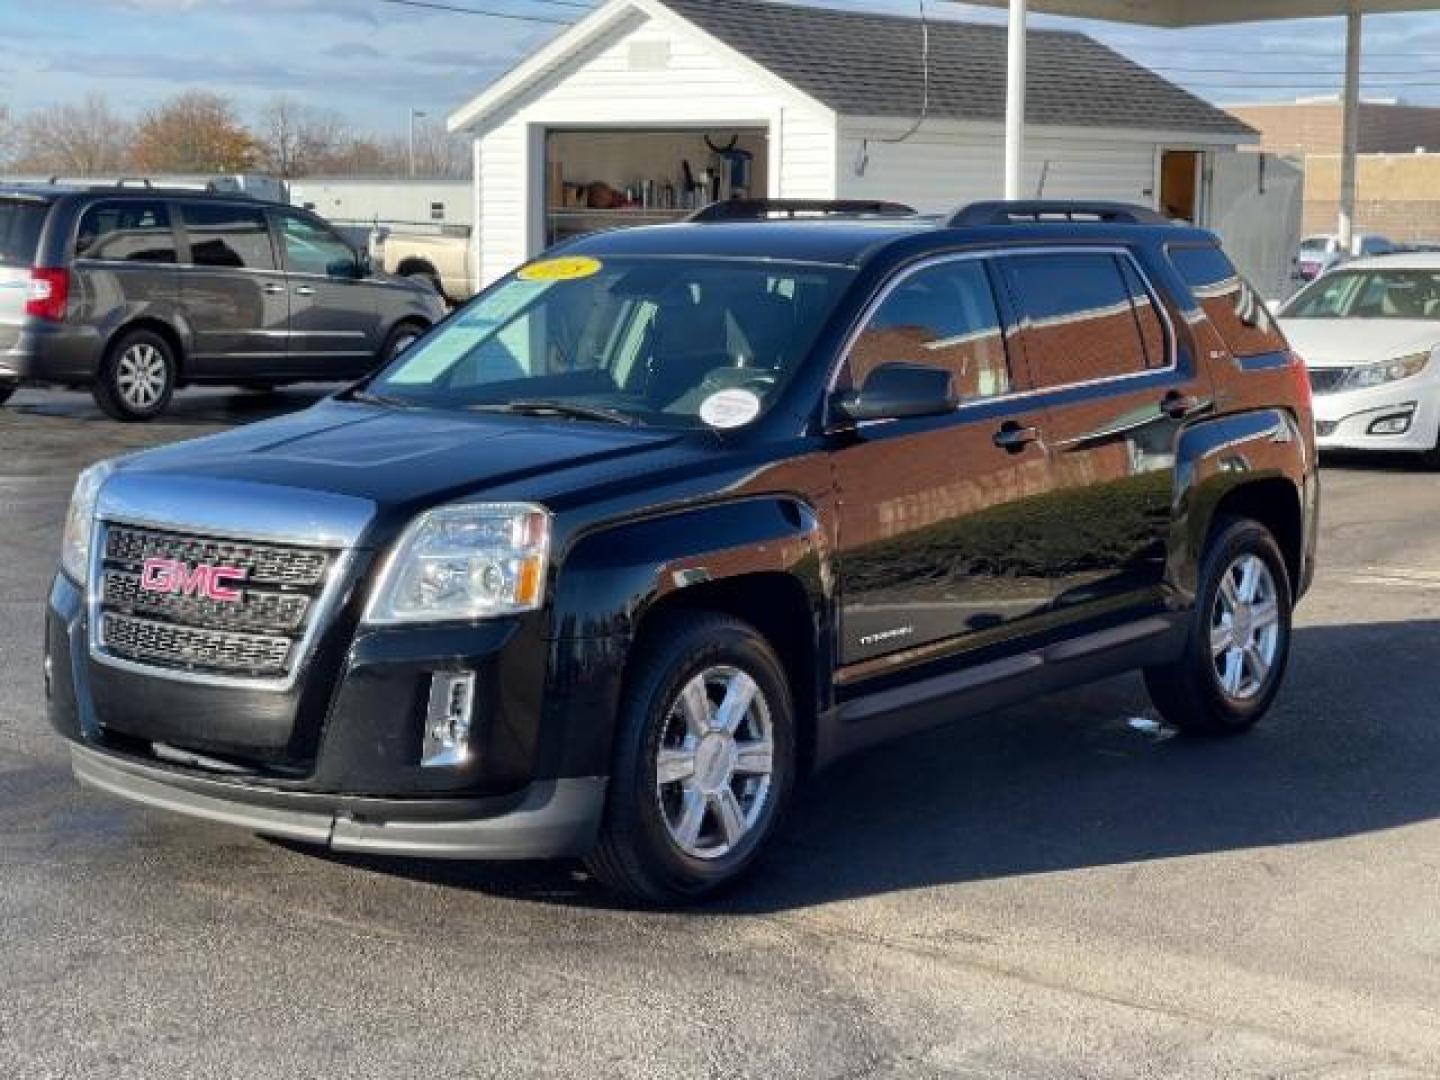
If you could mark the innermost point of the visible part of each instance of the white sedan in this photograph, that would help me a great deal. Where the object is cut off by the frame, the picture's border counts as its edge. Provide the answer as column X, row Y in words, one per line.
column 1369, row 333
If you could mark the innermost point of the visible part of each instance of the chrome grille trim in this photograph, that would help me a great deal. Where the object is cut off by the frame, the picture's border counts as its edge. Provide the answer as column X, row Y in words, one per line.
column 264, row 564
column 320, row 598
column 257, row 610
column 194, row 647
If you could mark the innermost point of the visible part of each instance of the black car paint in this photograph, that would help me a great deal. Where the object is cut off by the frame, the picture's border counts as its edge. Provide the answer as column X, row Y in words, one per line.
column 647, row 519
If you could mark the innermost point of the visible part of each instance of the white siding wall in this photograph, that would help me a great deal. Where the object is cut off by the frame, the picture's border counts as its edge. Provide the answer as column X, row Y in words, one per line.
column 942, row 167
column 614, row 85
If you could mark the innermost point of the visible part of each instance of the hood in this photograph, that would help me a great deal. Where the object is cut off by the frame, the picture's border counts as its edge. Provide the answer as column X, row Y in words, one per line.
column 395, row 459
column 1325, row 343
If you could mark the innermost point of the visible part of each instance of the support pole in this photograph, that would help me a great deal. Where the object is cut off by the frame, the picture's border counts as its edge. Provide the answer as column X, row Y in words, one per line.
column 1015, row 101
column 1350, row 126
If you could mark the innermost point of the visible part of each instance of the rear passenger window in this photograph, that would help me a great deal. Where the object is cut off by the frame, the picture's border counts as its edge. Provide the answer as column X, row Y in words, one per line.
column 1234, row 308
column 126, row 232
column 944, row 316
column 230, row 236
column 1078, row 319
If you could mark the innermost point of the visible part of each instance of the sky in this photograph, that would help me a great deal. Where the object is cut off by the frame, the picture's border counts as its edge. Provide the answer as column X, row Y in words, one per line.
column 373, row 61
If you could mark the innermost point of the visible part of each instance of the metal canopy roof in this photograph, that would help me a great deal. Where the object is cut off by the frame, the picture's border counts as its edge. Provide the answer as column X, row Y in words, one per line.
column 1178, row 13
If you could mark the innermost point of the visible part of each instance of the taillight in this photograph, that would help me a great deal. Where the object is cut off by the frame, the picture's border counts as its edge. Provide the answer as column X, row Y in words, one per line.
column 1302, row 380
column 49, row 291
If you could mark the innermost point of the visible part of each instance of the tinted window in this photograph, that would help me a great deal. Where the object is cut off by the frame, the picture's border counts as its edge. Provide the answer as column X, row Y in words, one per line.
column 1076, row 317
column 311, row 248
column 943, row 316
column 1233, row 307
column 126, row 232
column 1147, row 317
column 231, row 236
column 20, row 224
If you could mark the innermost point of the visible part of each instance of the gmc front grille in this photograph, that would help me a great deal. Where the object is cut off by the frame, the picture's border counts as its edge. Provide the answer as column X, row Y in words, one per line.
column 259, row 635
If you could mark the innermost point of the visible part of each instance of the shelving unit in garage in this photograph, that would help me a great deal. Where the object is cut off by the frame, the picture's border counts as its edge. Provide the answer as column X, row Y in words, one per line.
column 611, row 178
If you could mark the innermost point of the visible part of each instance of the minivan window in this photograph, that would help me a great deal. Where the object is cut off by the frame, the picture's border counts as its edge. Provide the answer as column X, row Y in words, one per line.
column 1232, row 305
column 311, row 248
column 20, row 223
column 229, row 236
column 672, row 342
column 1077, row 318
column 944, row 315
column 126, row 232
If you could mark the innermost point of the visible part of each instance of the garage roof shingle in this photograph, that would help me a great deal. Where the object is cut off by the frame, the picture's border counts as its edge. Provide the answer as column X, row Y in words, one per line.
column 863, row 64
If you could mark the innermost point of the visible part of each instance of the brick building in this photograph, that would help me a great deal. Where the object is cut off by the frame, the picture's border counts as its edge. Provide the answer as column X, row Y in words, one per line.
column 1313, row 126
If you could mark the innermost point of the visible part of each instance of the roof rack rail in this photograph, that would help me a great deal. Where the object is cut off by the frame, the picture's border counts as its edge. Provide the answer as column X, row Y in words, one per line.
column 765, row 209
column 1000, row 212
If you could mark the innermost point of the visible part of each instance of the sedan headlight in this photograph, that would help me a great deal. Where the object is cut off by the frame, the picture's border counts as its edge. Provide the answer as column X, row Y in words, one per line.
column 80, row 522
column 1389, row 371
column 465, row 562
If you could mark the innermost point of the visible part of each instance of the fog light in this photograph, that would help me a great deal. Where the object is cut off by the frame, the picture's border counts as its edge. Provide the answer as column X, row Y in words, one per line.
column 448, row 719
column 1397, row 424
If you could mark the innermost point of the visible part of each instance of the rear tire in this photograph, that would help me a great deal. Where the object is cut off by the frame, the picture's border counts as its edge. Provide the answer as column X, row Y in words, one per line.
column 1238, row 642
column 137, row 378
column 401, row 338
column 704, row 762
column 429, row 280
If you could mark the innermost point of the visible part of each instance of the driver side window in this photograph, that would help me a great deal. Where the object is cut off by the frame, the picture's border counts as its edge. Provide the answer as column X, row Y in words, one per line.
column 312, row 249
column 941, row 316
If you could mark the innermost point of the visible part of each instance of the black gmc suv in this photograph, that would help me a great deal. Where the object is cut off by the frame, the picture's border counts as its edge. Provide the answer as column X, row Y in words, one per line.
column 666, row 520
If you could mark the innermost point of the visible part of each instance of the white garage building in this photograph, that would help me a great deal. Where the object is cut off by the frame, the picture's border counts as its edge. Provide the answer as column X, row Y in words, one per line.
column 646, row 108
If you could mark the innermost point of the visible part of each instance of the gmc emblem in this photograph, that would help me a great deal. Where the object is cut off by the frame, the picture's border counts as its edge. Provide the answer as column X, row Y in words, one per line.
column 173, row 577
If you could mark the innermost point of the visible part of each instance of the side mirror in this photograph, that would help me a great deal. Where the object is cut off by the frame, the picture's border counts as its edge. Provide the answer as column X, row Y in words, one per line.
column 897, row 390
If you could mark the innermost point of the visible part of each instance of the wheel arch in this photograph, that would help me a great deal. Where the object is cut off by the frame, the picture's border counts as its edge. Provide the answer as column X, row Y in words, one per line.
column 761, row 560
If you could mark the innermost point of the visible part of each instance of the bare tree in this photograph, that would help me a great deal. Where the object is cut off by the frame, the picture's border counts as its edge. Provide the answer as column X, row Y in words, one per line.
column 296, row 140
column 437, row 152
column 194, row 131
column 80, row 140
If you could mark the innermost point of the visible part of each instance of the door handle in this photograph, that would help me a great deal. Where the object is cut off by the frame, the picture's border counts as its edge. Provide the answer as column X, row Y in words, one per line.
column 1178, row 406
column 272, row 288
column 304, row 290
column 1013, row 438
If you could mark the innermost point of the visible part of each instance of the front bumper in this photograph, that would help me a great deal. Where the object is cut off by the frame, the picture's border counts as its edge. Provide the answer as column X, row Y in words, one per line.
column 549, row 819
column 1346, row 420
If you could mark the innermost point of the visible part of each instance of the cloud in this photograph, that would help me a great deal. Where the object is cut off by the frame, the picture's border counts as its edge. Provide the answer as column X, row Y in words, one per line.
column 172, row 68
column 349, row 10
column 353, row 50
column 455, row 58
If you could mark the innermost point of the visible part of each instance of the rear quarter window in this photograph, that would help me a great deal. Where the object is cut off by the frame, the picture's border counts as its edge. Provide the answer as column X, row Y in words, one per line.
column 1230, row 302
column 20, row 223
column 126, row 232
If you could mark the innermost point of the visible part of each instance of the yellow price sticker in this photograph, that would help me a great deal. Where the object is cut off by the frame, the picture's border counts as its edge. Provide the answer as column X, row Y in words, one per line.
column 570, row 268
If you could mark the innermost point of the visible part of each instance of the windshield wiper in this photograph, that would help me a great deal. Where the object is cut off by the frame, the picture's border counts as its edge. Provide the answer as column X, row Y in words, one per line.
column 560, row 408
column 369, row 398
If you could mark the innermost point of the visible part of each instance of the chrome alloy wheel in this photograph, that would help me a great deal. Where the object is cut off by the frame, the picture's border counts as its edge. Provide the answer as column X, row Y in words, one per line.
column 1245, row 628
column 715, row 763
column 141, row 375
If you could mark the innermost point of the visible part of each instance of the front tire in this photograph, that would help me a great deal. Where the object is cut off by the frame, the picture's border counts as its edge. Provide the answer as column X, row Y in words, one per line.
column 704, row 762
column 400, row 338
column 137, row 378
column 1238, row 643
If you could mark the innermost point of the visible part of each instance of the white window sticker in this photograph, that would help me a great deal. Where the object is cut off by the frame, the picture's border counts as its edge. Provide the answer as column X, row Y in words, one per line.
column 730, row 408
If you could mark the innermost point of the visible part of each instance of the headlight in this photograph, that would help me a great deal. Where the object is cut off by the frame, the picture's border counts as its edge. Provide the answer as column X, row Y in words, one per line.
column 465, row 562
column 1389, row 371
column 80, row 522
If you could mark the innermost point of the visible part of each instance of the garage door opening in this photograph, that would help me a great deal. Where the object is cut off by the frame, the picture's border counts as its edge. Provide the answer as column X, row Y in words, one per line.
column 607, row 179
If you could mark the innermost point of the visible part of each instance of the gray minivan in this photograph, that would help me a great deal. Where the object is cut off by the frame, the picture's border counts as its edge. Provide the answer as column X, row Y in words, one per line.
column 133, row 291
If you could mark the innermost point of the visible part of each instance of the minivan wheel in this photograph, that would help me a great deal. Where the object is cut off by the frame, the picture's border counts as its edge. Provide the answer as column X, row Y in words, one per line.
column 704, row 762
column 401, row 338
column 137, row 379
column 1238, row 643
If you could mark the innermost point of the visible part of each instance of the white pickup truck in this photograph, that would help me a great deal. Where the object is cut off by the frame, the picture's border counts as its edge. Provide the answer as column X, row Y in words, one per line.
column 440, row 257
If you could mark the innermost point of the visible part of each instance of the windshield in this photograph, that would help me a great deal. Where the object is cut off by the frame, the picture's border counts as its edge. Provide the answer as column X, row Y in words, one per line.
column 1369, row 294
column 656, row 341
column 1312, row 244
column 20, row 222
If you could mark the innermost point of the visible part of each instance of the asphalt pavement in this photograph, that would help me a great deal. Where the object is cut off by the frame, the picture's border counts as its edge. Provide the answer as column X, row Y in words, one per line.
column 1056, row 890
